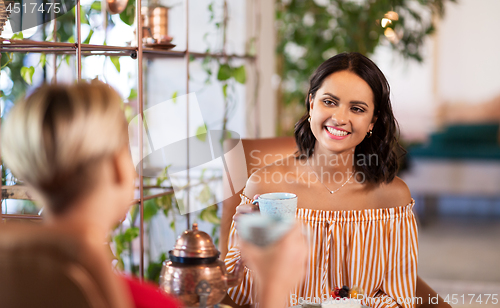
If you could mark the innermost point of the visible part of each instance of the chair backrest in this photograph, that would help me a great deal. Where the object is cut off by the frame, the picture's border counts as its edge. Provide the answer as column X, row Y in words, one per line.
column 258, row 153
column 41, row 267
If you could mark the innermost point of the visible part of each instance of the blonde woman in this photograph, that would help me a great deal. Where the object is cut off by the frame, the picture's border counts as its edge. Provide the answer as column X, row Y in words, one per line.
column 69, row 144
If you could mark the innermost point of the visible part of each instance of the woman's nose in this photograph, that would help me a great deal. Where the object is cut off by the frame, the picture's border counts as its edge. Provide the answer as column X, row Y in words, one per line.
column 340, row 116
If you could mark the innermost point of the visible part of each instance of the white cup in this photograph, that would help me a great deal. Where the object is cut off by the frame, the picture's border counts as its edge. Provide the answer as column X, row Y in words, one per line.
column 276, row 218
column 278, row 205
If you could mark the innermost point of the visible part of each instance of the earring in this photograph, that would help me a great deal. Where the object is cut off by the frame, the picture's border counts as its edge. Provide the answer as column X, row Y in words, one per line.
column 369, row 134
column 309, row 119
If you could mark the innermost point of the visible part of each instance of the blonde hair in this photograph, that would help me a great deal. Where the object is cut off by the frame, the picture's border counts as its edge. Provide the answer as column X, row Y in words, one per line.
column 55, row 139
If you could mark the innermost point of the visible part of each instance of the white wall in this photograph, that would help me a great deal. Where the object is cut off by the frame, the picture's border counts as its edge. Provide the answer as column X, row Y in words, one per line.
column 461, row 65
column 468, row 51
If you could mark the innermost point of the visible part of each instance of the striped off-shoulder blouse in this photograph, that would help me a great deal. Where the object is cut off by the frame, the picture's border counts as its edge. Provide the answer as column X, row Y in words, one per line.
column 375, row 250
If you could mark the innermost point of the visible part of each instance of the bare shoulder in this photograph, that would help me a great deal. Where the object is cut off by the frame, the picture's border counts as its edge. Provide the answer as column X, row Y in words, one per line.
column 393, row 194
column 269, row 178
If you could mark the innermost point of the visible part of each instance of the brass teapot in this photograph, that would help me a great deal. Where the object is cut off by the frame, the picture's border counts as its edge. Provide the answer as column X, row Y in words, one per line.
column 194, row 274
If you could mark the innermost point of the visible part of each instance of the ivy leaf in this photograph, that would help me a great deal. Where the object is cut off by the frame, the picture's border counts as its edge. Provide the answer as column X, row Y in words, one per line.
column 165, row 202
column 27, row 74
column 87, row 40
column 201, row 132
column 128, row 14
column 205, row 194
column 128, row 112
column 211, row 10
column 224, row 90
column 202, row 175
column 252, row 47
column 150, row 209
column 116, row 62
column 163, row 176
column 130, row 234
column 174, row 97
column 134, row 211
column 210, row 215
column 132, row 95
column 122, row 241
column 8, row 57
column 71, row 39
column 118, row 239
column 96, row 5
column 43, row 59
column 207, row 59
column 172, row 225
column 17, row 36
column 180, row 205
column 240, row 75
column 66, row 57
column 83, row 17
column 154, row 269
column 224, row 72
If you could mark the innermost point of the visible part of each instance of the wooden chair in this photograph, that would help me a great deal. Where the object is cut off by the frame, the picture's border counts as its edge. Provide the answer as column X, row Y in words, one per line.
column 41, row 267
column 259, row 153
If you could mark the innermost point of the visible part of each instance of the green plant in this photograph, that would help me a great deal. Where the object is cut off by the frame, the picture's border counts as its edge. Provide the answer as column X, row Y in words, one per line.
column 123, row 237
column 311, row 31
column 228, row 74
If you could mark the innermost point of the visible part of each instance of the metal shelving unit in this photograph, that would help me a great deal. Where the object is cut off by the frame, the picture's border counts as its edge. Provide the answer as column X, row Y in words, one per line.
column 82, row 50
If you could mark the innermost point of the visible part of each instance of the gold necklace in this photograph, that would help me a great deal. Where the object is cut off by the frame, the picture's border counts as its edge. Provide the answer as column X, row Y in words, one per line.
column 331, row 191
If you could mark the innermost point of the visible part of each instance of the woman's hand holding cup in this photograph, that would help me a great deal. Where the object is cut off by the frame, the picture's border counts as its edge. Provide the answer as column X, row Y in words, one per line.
column 243, row 209
column 277, row 217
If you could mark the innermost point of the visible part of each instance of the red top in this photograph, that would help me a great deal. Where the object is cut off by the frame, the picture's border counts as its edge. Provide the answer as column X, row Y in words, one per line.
column 147, row 295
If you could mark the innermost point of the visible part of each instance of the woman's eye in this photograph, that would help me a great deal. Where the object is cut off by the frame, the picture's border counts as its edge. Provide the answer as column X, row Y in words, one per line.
column 357, row 109
column 329, row 102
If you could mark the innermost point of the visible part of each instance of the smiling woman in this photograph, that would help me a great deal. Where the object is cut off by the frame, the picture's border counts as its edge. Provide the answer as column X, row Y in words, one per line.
column 356, row 213
column 354, row 94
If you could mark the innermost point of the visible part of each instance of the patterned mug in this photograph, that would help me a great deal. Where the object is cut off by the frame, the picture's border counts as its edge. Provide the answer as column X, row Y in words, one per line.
column 277, row 205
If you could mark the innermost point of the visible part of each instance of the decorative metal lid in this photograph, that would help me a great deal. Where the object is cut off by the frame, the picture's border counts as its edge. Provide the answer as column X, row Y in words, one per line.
column 195, row 244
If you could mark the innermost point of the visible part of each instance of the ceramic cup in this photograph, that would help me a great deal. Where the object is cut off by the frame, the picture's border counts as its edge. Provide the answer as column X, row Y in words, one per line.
column 276, row 218
column 277, row 205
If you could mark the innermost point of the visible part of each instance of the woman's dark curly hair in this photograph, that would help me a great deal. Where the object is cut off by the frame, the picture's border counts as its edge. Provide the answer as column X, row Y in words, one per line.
column 383, row 141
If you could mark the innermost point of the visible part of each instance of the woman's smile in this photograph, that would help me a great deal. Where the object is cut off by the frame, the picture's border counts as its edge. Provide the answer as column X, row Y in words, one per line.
column 336, row 133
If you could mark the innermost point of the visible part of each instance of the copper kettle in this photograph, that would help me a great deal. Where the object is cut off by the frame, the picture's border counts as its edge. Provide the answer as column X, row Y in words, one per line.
column 194, row 274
